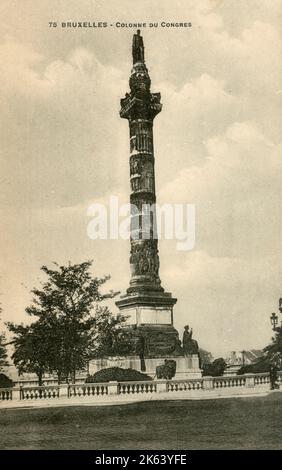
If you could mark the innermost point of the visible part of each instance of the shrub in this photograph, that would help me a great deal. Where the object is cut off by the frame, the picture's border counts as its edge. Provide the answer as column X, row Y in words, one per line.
column 117, row 374
column 216, row 368
column 167, row 370
column 5, row 382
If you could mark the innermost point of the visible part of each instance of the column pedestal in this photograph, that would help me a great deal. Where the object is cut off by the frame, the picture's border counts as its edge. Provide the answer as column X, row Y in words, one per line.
column 186, row 367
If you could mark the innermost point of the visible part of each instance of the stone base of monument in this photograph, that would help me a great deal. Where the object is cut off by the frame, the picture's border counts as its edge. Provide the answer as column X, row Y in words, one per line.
column 186, row 367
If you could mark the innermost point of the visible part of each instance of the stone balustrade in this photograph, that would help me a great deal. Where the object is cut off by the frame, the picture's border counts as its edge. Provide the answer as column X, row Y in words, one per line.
column 68, row 391
column 183, row 385
column 6, row 394
column 229, row 381
column 88, row 390
column 262, row 379
column 38, row 393
column 137, row 387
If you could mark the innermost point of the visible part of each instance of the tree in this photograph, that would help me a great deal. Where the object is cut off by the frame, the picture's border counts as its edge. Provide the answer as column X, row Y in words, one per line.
column 109, row 336
column 272, row 356
column 69, row 328
column 273, row 352
column 31, row 348
column 3, row 352
column 205, row 356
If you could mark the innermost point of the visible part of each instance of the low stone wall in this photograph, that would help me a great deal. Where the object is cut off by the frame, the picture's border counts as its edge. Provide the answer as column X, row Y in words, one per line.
column 96, row 391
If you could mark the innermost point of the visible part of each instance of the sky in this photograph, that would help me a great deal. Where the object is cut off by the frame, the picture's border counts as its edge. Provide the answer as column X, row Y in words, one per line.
column 217, row 145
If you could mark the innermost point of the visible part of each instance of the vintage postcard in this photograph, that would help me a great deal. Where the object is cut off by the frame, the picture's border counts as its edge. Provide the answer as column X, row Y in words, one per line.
column 141, row 268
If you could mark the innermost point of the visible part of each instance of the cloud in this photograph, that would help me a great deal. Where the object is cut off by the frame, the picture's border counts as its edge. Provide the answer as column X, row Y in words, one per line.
column 227, row 300
column 18, row 68
column 51, row 122
column 236, row 192
column 241, row 158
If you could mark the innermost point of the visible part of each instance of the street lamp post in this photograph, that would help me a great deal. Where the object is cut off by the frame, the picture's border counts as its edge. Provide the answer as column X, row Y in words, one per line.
column 274, row 320
column 275, row 355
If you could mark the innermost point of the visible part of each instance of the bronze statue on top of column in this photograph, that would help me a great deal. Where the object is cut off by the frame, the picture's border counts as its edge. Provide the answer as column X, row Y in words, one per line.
column 137, row 48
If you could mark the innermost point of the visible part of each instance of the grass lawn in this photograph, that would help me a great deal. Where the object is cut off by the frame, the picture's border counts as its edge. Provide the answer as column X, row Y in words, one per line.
column 242, row 423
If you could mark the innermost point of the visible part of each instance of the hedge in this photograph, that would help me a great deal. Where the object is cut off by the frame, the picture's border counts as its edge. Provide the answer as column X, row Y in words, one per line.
column 5, row 382
column 117, row 374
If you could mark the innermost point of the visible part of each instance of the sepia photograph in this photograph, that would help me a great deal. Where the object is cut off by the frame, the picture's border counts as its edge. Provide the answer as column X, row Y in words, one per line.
column 141, row 260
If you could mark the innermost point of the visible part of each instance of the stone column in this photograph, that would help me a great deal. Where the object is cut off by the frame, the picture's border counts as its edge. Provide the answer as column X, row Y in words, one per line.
column 140, row 107
column 146, row 305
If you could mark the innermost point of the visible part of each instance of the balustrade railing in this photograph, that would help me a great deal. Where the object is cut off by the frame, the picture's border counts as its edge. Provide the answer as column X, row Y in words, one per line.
column 137, row 387
column 87, row 390
column 262, row 379
column 232, row 381
column 183, row 385
column 38, row 393
column 134, row 388
column 6, row 394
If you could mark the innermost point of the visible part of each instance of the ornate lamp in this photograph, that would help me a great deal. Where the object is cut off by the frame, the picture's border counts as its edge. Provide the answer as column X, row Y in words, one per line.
column 274, row 320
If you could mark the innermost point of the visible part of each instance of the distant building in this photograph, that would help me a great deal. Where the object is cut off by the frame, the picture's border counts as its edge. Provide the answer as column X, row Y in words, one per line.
column 237, row 359
column 252, row 356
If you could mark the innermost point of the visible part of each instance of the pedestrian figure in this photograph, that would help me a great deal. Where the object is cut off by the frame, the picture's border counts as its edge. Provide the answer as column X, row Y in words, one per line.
column 273, row 377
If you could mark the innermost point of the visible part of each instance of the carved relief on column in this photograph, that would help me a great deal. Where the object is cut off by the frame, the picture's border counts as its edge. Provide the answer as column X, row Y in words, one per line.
column 135, row 183
column 135, row 166
column 142, row 174
column 147, row 177
column 141, row 137
column 144, row 259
